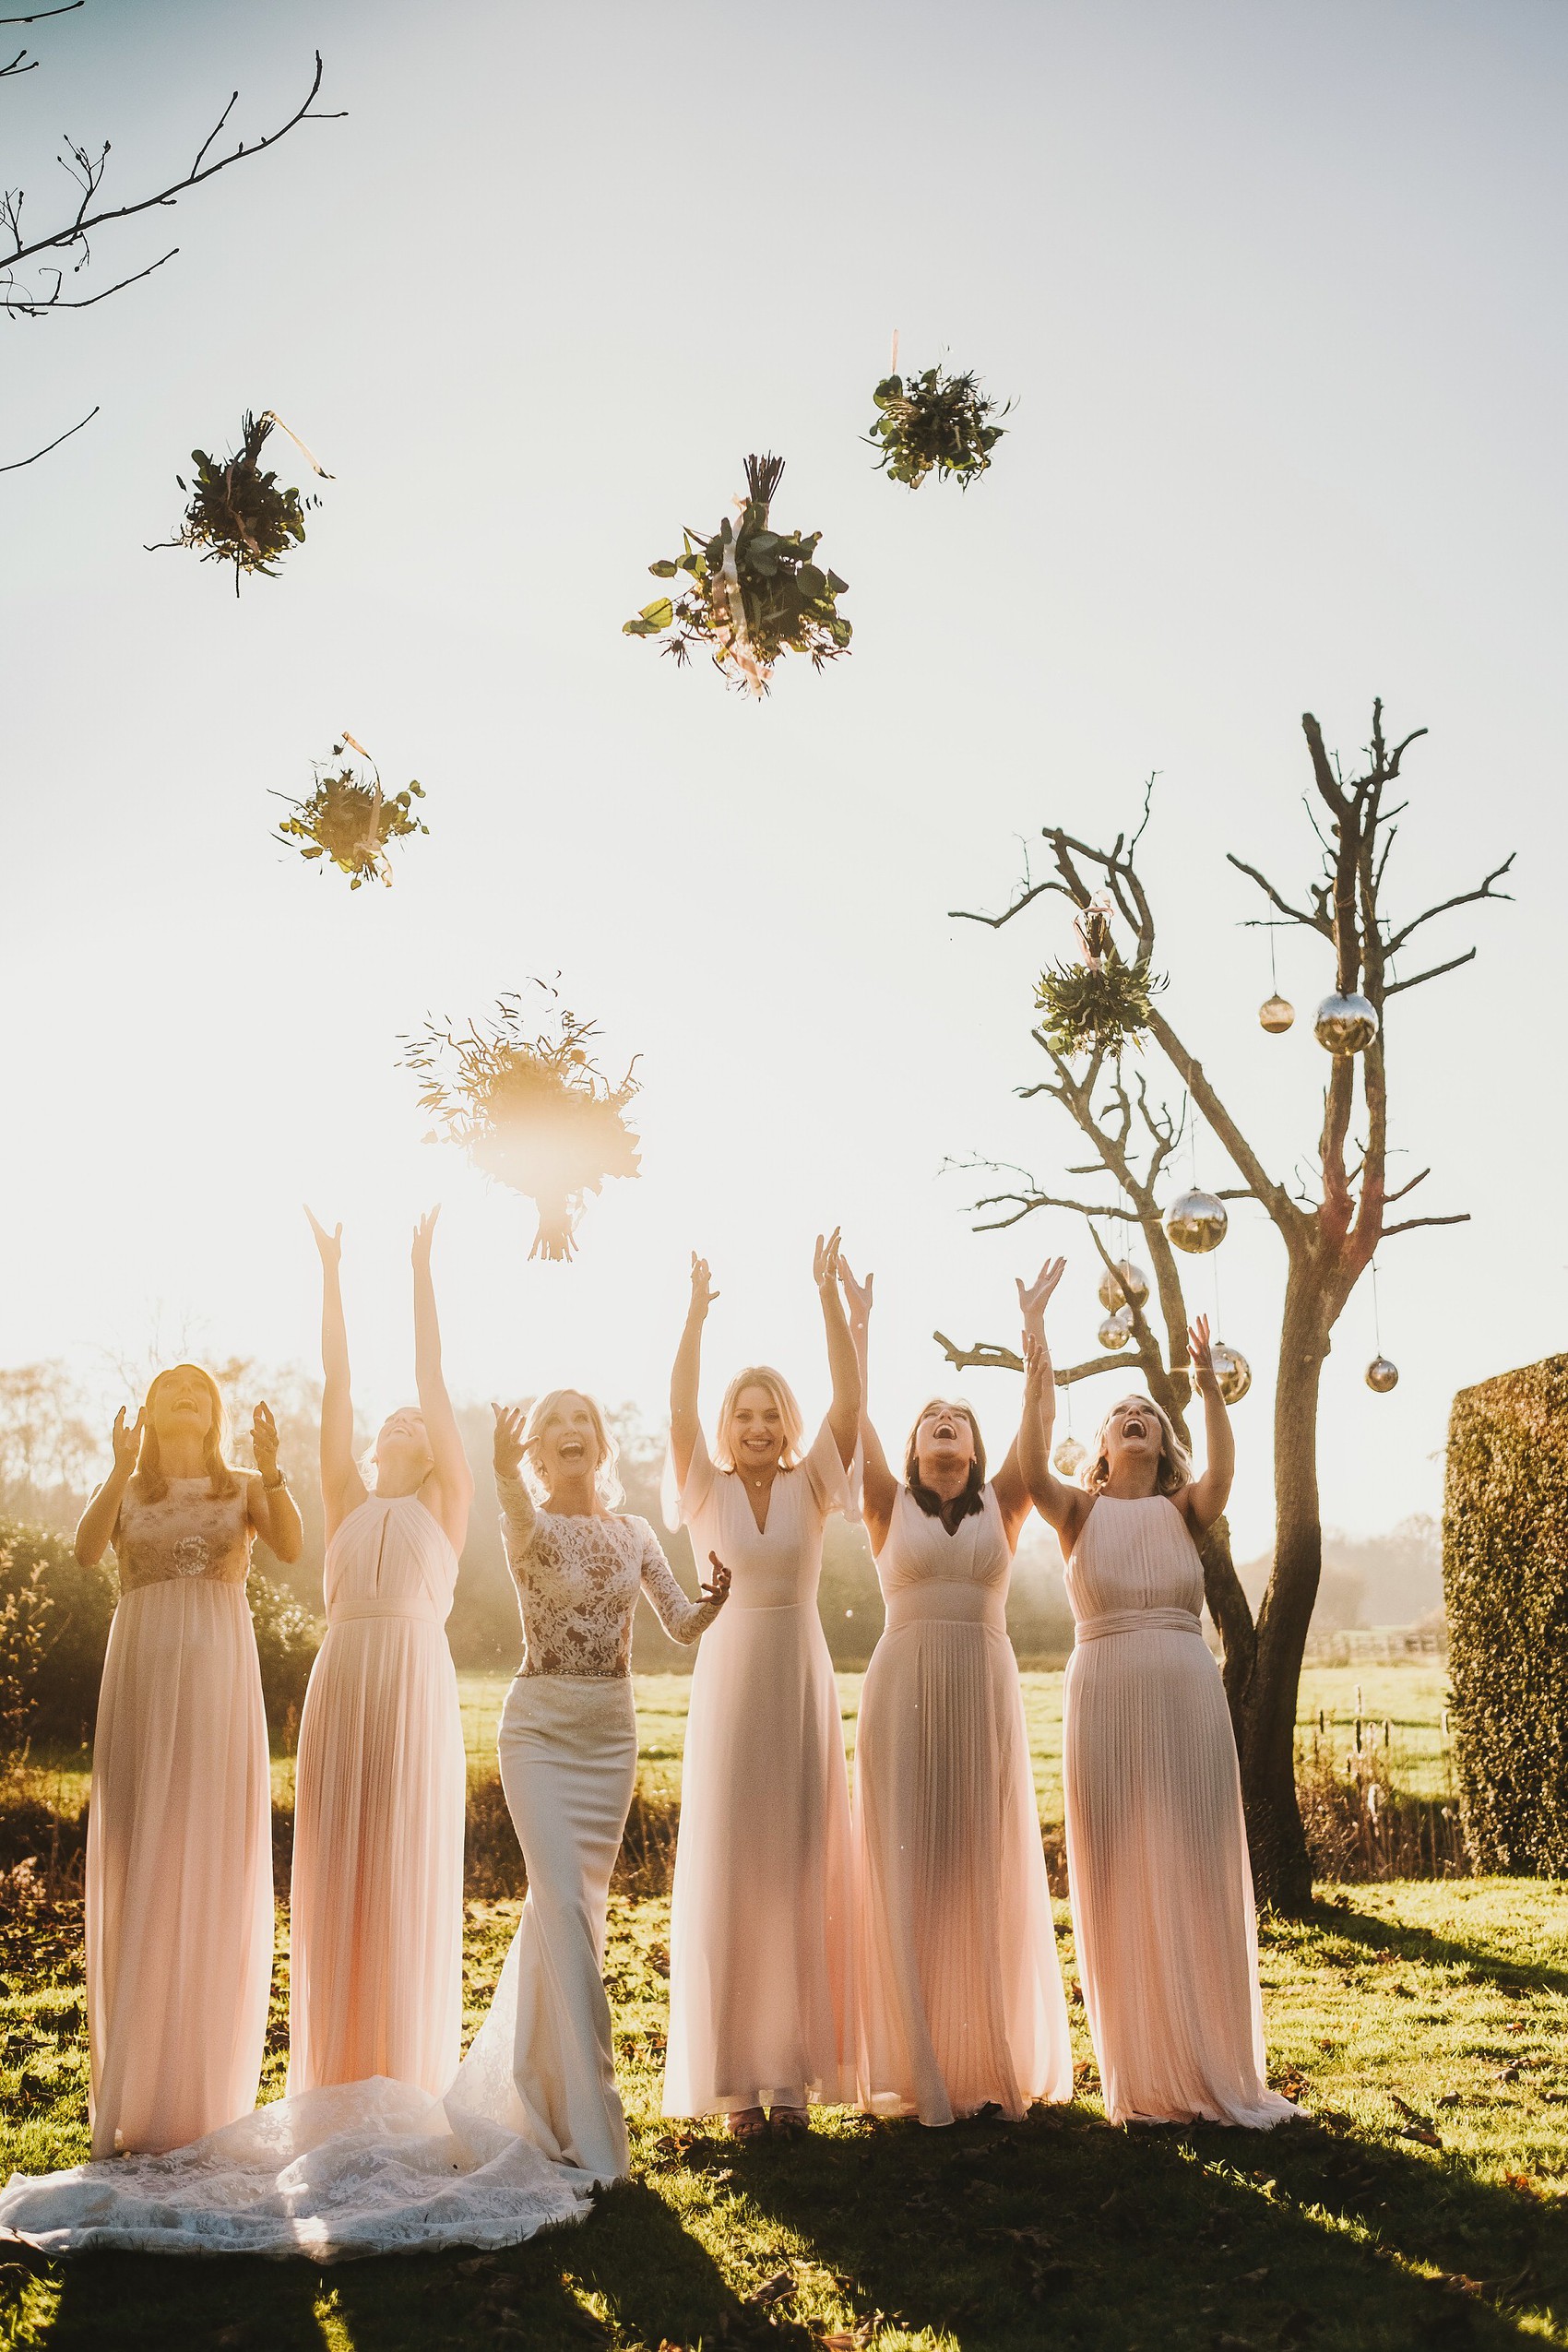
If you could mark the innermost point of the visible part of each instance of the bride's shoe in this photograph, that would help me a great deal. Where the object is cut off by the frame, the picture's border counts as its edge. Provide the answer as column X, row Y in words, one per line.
column 747, row 2123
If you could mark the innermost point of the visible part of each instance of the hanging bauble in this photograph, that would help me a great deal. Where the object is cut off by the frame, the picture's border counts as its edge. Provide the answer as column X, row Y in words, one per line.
column 1277, row 1014
column 1345, row 1024
column 1381, row 1375
column 1126, row 1282
column 1116, row 1330
column 1232, row 1371
column 1069, row 1458
column 1196, row 1221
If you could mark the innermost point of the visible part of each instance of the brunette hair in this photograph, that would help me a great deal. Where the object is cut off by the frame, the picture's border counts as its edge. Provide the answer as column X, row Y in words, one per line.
column 973, row 1498
column 1175, row 1470
column 606, row 1479
column 152, row 1483
column 783, row 1396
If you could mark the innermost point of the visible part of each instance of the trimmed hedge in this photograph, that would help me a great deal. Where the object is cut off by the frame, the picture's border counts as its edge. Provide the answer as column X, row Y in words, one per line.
column 1505, row 1582
column 55, row 1618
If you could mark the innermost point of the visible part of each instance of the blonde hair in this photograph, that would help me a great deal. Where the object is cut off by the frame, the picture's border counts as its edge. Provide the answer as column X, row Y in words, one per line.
column 1175, row 1470
column 606, row 1481
column 152, row 1483
column 777, row 1387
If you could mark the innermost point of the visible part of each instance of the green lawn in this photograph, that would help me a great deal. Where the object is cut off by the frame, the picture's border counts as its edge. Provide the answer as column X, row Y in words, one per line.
column 1402, row 2015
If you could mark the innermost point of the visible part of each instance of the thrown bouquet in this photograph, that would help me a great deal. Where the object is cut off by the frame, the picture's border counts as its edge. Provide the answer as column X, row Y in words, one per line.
column 934, row 424
column 350, row 820
column 1098, row 1004
column 750, row 593
column 535, row 1113
column 238, row 514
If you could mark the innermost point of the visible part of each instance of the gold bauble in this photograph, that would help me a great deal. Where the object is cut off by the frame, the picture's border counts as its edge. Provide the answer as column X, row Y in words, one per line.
column 1345, row 1024
column 1128, row 1281
column 1381, row 1375
column 1277, row 1014
column 1196, row 1221
column 1232, row 1371
column 1116, row 1330
column 1069, row 1458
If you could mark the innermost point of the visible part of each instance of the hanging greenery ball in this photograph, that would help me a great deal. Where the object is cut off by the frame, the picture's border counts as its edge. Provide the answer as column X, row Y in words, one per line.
column 934, row 424
column 239, row 515
column 1232, row 1371
column 1196, row 1221
column 1346, row 1024
column 349, row 820
column 1069, row 1458
column 1381, row 1375
column 1128, row 1282
column 1116, row 1330
column 1100, row 1008
column 1277, row 1014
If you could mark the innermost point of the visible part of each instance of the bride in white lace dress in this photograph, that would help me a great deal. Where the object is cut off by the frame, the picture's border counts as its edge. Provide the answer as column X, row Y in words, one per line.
column 534, row 2118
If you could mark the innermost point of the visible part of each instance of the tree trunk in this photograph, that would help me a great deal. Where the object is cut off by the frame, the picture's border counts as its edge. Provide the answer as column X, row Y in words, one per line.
column 1264, row 1711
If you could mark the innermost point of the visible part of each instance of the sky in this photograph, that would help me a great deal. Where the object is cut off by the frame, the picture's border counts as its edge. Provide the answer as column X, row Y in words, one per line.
column 1278, row 295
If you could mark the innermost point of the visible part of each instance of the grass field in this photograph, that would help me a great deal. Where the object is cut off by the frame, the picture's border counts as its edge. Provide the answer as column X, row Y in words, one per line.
column 1426, row 2204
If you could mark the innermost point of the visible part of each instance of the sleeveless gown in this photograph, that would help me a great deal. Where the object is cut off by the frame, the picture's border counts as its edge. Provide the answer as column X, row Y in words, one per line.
column 179, row 1853
column 761, row 1959
column 375, row 1952
column 960, row 1990
column 1158, row 1868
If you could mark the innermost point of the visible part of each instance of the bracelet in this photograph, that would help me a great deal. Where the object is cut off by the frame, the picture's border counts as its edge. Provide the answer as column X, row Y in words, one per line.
column 271, row 1486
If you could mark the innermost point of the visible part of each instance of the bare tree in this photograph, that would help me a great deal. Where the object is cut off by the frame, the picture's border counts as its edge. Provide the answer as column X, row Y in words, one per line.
column 1329, row 1227
column 36, row 263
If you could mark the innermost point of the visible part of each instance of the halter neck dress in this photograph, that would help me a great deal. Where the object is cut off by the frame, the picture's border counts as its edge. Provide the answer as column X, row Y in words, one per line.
column 1160, row 1881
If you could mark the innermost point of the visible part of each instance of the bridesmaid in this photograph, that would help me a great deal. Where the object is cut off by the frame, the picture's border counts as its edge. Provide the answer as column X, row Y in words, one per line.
column 544, row 2062
column 1157, row 1848
column 376, row 1913
column 761, row 1968
column 179, row 1848
column 961, row 2003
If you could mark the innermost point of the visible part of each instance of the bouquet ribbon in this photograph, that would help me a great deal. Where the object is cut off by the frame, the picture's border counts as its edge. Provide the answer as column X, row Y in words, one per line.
column 740, row 641
column 315, row 463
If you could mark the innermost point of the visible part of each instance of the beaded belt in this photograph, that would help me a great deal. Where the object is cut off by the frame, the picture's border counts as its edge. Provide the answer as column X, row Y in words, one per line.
column 1137, row 1621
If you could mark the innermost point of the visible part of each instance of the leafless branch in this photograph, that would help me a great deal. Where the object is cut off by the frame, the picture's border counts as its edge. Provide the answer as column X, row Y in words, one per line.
column 1435, row 971
column 1320, row 921
column 40, row 15
column 1398, row 1195
column 1464, row 898
column 17, row 463
column 987, row 1356
column 1409, row 1224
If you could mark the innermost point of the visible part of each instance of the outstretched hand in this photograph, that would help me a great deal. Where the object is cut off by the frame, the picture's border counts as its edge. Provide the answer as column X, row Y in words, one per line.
column 424, row 1234
column 1034, row 1297
column 717, row 1588
column 329, row 1245
column 510, row 1422
column 126, row 1443
column 264, row 1439
column 1200, row 1352
column 703, row 1291
column 857, row 1295
column 824, row 1261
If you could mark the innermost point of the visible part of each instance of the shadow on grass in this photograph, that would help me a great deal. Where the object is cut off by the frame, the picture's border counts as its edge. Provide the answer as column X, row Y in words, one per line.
column 1067, row 2229
column 1422, row 1945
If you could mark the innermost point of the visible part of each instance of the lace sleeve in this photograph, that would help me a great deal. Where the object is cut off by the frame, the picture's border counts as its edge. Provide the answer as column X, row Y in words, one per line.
column 682, row 1619
column 519, row 1522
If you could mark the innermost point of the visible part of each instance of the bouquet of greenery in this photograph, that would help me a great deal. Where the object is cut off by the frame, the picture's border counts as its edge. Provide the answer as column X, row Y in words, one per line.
column 1099, row 1005
column 348, row 819
column 534, row 1112
column 751, row 593
column 934, row 424
column 237, row 513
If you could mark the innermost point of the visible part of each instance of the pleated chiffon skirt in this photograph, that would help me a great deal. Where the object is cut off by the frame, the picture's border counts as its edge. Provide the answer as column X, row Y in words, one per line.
column 179, row 1870
column 543, row 2063
column 761, row 1958
column 1160, row 1881
column 961, row 2002
column 376, row 1913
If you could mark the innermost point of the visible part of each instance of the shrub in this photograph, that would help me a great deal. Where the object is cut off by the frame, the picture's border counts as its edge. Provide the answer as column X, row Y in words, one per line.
column 1505, row 1580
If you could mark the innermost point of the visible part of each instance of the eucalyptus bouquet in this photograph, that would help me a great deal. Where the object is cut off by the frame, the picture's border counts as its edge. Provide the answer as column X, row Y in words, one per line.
column 934, row 424
column 1098, row 1004
column 238, row 514
column 535, row 1113
column 347, row 818
column 749, row 593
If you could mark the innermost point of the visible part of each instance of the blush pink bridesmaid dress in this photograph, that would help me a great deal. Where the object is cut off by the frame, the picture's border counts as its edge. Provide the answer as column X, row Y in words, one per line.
column 1158, row 1868
column 375, row 1983
column 961, row 2003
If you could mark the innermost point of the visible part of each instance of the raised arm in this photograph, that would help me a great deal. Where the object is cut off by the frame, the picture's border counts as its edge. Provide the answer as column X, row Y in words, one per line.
column 341, row 1486
column 1208, row 1494
column 98, row 1521
column 683, row 1620
column 879, row 1487
column 454, row 1480
column 1010, row 1486
column 274, row 1513
column 517, row 1513
column 1062, row 1506
column 686, row 1372
column 843, row 1362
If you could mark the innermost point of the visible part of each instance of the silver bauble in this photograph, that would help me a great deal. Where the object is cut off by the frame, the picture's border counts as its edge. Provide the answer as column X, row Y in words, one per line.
column 1345, row 1024
column 1116, row 1330
column 1232, row 1371
column 1069, row 1458
column 1381, row 1375
column 1196, row 1221
column 1128, row 1281
column 1277, row 1014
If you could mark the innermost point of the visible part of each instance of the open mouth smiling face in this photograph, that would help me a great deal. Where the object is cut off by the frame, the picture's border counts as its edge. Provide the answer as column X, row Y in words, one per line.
column 569, row 1441
column 1134, row 1426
